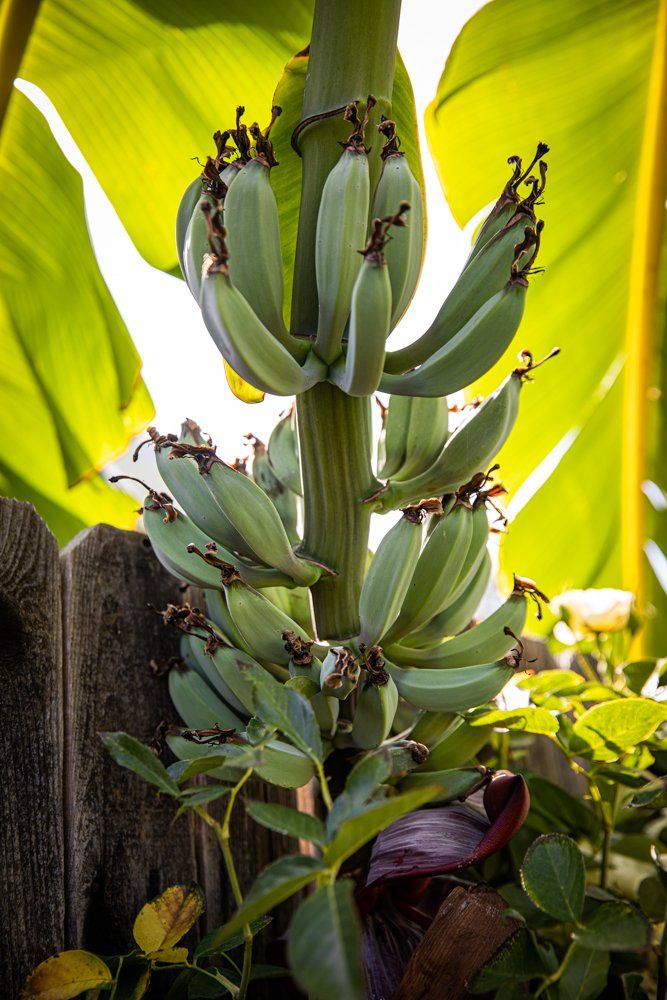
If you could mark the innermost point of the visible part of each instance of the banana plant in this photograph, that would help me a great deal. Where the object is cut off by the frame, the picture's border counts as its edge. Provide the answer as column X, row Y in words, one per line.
column 302, row 643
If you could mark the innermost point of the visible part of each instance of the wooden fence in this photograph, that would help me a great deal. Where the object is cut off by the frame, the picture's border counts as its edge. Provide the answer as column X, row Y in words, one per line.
column 83, row 842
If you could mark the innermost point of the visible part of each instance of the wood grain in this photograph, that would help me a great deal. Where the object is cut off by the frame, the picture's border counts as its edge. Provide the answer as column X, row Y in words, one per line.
column 467, row 930
column 31, row 726
column 122, row 844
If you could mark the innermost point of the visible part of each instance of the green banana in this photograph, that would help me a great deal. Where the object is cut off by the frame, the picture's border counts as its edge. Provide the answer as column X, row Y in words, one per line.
column 216, row 668
column 360, row 371
column 456, row 783
column 405, row 252
column 198, row 704
column 435, row 572
column 476, row 550
column 472, row 352
column 183, row 481
column 283, row 453
column 253, row 239
column 260, row 623
column 251, row 512
column 218, row 612
column 375, row 711
column 426, row 434
column 392, row 445
column 339, row 674
column 294, row 602
column 453, row 690
column 474, row 444
column 489, row 640
column 341, row 230
column 457, row 746
column 326, row 712
column 431, row 727
column 511, row 251
column 457, row 614
column 283, row 499
column 187, row 553
column 196, row 243
column 470, row 449
column 245, row 342
column 510, row 203
column 389, row 576
column 189, row 202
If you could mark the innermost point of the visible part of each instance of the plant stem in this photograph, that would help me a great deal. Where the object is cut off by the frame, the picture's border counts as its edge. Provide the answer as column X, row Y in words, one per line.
column 335, row 450
column 555, row 976
column 222, row 833
column 324, row 785
column 642, row 313
column 352, row 54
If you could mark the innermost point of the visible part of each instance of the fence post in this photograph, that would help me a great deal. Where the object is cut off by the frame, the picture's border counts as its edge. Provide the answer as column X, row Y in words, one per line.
column 122, row 846
column 32, row 900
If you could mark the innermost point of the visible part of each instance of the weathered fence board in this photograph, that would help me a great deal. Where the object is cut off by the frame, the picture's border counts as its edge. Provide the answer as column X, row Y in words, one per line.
column 31, row 811
column 122, row 846
column 84, row 843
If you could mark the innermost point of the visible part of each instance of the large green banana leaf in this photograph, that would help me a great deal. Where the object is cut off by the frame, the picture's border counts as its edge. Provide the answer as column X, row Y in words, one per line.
column 70, row 394
column 578, row 76
column 141, row 86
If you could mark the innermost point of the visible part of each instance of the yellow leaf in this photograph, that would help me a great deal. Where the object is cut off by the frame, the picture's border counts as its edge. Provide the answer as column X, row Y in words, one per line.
column 169, row 955
column 164, row 921
column 242, row 389
column 67, row 975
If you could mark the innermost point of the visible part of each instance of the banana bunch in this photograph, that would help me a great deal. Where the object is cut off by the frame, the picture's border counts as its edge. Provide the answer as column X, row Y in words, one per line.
column 419, row 660
column 367, row 262
column 471, row 448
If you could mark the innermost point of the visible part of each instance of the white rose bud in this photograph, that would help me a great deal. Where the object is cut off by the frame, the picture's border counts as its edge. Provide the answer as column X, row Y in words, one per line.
column 594, row 611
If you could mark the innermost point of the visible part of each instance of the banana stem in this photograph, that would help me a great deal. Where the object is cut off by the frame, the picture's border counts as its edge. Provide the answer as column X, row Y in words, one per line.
column 335, row 450
column 352, row 55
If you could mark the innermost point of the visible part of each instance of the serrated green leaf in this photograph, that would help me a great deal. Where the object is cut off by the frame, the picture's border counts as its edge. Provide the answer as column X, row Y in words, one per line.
column 525, row 720
column 280, row 706
column 135, row 756
column 363, row 780
column 324, row 944
column 357, row 831
column 585, row 976
column 279, row 880
column 637, row 673
column 553, row 875
column 516, row 961
column 607, row 731
column 615, row 926
column 207, row 947
column 288, row 821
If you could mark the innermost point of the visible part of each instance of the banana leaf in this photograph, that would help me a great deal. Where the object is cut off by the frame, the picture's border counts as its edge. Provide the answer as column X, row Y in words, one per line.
column 141, row 87
column 589, row 79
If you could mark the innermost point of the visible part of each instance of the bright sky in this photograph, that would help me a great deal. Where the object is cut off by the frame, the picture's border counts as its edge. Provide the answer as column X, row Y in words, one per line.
column 158, row 309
